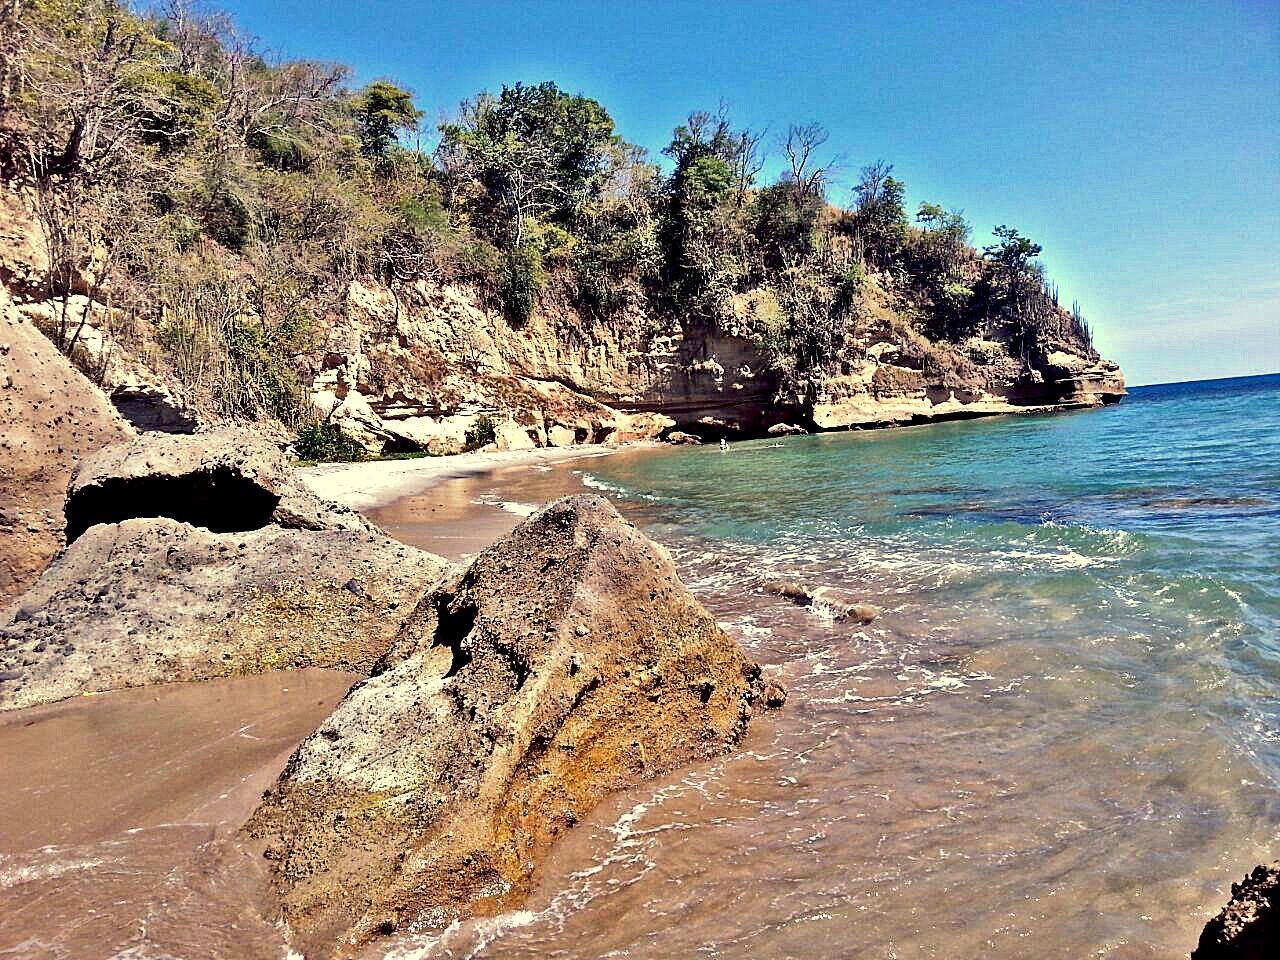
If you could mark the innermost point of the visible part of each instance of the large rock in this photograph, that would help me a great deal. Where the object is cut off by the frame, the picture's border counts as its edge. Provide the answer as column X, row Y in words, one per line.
column 225, row 480
column 639, row 426
column 566, row 662
column 786, row 430
column 203, row 556
column 1080, row 380
column 838, row 604
column 50, row 417
column 1248, row 928
column 156, row 601
column 509, row 435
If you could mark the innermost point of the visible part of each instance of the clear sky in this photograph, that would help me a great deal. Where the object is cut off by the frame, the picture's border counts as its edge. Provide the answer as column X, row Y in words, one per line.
column 1139, row 142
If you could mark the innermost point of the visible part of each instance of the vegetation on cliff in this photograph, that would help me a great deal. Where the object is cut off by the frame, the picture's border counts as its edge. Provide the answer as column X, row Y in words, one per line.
column 219, row 204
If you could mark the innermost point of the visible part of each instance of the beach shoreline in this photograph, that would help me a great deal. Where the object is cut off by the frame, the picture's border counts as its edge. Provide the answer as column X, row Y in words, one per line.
column 370, row 484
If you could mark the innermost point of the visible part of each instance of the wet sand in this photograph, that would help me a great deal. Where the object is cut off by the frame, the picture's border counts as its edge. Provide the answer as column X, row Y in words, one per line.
column 458, row 516
column 117, row 813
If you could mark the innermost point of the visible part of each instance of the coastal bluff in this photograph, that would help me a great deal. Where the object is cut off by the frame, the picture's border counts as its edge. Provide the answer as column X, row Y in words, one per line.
column 566, row 662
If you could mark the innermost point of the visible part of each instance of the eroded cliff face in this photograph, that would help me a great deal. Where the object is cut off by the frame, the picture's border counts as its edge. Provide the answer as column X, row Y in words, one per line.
column 412, row 368
column 50, row 417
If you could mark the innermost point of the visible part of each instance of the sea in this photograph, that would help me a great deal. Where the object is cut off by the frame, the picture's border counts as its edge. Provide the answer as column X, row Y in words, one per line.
column 1060, row 739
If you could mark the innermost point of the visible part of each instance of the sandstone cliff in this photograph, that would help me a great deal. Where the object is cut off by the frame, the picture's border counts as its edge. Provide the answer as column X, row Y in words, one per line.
column 412, row 368
column 566, row 662
column 411, row 365
column 50, row 417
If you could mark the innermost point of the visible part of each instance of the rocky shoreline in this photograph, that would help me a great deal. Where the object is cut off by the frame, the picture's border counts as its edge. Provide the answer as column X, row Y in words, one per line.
column 503, row 699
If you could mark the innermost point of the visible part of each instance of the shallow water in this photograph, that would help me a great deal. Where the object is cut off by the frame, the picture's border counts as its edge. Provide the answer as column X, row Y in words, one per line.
column 1062, row 739
column 117, row 815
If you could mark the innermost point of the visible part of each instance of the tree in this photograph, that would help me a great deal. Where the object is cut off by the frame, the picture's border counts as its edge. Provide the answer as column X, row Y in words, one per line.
column 529, row 152
column 938, row 260
column 1018, row 287
column 382, row 112
column 799, row 145
column 704, row 234
column 1013, row 252
column 880, row 221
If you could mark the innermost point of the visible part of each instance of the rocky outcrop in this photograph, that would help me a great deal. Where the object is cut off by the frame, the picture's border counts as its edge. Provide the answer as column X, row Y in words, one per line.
column 225, row 480
column 786, row 430
column 137, row 392
column 836, row 603
column 566, row 662
column 414, row 367
column 50, row 417
column 199, row 557
column 1077, row 380
column 1248, row 928
column 682, row 439
column 158, row 601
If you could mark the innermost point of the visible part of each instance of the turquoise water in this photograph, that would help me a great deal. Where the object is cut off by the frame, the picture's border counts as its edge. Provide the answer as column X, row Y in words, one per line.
column 1062, row 737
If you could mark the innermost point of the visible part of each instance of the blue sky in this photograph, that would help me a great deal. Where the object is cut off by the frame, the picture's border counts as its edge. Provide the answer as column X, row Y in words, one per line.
column 1138, row 142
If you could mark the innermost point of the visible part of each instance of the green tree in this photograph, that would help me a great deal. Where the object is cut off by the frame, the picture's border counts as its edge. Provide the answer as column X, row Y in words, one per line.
column 938, row 259
column 1017, row 287
column 531, row 152
column 704, row 232
column 1013, row 252
column 879, row 219
column 382, row 112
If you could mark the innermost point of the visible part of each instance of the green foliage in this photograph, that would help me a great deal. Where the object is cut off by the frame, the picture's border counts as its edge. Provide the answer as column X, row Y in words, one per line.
column 531, row 152
column 940, row 264
column 880, row 219
column 705, row 232
column 253, row 192
column 1014, row 252
column 785, row 224
column 382, row 112
column 849, row 287
column 521, row 282
column 173, row 108
column 325, row 442
column 482, row 433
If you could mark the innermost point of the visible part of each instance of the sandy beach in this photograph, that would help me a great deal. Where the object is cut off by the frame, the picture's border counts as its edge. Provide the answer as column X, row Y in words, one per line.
column 375, row 483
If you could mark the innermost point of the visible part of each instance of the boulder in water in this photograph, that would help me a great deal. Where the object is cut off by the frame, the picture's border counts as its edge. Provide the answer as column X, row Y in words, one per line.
column 786, row 430
column 1248, row 928
column 842, row 604
column 680, row 438
column 567, row 662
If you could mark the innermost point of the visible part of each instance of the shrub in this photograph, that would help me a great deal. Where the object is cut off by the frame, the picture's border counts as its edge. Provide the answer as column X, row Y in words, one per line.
column 521, row 283
column 482, row 433
column 326, row 442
